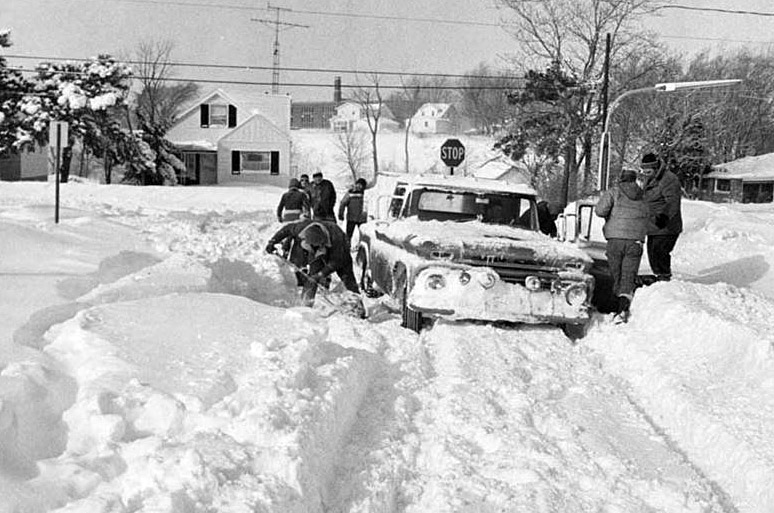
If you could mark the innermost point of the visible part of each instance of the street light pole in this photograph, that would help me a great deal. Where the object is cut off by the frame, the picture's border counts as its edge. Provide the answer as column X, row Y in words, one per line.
column 604, row 143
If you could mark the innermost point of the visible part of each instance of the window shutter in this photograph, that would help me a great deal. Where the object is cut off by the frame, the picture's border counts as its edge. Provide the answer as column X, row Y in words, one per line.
column 275, row 162
column 232, row 116
column 204, row 115
column 236, row 167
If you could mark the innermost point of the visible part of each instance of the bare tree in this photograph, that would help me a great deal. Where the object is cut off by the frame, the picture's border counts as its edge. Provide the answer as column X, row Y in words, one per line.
column 484, row 98
column 370, row 100
column 571, row 35
column 352, row 147
column 158, row 102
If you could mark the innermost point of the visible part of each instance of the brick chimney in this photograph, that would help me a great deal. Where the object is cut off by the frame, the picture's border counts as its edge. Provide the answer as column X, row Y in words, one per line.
column 337, row 89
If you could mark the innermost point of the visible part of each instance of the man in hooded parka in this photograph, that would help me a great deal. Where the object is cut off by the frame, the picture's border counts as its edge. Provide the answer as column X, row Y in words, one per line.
column 320, row 248
column 626, row 217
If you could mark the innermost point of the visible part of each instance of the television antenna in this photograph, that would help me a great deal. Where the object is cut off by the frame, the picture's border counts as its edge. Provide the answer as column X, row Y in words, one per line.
column 276, row 53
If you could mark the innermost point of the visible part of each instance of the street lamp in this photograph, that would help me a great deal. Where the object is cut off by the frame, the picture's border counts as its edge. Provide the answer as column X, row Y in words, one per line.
column 668, row 87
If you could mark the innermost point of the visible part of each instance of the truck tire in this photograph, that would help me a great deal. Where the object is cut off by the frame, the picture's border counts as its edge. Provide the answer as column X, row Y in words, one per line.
column 364, row 275
column 410, row 319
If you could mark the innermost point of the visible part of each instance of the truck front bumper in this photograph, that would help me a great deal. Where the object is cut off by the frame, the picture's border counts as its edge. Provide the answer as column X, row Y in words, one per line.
column 463, row 292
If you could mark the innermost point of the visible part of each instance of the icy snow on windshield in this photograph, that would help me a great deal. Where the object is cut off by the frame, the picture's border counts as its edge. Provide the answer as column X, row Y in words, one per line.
column 153, row 358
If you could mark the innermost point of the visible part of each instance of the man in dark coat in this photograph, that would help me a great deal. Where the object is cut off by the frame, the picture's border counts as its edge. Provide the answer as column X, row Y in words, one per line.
column 323, row 198
column 626, row 223
column 293, row 204
column 319, row 249
column 353, row 203
column 546, row 219
column 662, row 193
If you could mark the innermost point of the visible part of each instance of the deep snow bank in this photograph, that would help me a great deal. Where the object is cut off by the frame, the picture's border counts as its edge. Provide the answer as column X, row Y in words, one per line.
column 179, row 414
column 700, row 361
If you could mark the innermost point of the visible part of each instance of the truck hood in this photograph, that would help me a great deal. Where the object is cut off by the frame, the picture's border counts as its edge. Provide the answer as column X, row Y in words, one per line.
column 473, row 240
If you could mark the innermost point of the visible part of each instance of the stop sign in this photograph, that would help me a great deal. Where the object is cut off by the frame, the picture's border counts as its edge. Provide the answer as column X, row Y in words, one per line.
column 452, row 152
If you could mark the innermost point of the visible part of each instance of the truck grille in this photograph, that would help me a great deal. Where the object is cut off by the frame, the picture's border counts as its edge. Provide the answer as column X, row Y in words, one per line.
column 515, row 272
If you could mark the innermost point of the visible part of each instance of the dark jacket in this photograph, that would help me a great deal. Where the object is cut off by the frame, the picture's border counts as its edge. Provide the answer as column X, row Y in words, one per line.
column 663, row 195
column 353, row 201
column 336, row 258
column 293, row 204
column 625, row 212
column 323, row 200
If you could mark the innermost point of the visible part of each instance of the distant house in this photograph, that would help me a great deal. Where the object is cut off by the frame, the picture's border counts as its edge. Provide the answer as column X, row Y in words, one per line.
column 745, row 180
column 351, row 115
column 501, row 168
column 25, row 165
column 435, row 118
column 234, row 135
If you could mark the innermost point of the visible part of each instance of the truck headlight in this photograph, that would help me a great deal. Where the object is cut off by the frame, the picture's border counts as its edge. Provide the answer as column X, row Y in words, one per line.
column 435, row 282
column 532, row 283
column 464, row 277
column 487, row 280
column 576, row 295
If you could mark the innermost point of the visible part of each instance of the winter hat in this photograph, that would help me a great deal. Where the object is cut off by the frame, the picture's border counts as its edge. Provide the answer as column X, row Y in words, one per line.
column 649, row 160
column 362, row 182
column 294, row 183
column 315, row 235
column 628, row 175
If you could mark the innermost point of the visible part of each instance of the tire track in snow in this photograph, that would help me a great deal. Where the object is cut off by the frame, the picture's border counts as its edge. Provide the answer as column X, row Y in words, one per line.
column 521, row 420
column 376, row 460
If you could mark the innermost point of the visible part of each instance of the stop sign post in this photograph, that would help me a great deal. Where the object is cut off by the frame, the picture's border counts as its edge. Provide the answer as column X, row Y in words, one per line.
column 452, row 153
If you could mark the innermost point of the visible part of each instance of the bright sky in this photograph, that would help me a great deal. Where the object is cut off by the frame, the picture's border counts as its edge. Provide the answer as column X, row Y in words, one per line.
column 365, row 35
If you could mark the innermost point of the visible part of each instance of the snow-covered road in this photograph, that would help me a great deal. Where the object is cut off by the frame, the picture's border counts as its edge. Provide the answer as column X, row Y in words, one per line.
column 181, row 376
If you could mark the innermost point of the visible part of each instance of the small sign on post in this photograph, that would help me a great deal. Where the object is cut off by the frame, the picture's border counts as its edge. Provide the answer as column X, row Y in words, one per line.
column 57, row 139
column 452, row 153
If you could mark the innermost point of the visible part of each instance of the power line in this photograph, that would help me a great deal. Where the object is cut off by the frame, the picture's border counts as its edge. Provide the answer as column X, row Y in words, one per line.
column 316, row 13
column 289, row 69
column 306, row 84
column 718, row 10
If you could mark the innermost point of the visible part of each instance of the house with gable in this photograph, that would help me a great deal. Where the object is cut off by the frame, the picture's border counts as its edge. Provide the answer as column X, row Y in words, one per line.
column 745, row 180
column 435, row 118
column 351, row 115
column 234, row 135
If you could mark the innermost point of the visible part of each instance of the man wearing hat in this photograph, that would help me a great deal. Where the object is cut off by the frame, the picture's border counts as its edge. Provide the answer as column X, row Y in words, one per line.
column 319, row 248
column 626, row 222
column 662, row 192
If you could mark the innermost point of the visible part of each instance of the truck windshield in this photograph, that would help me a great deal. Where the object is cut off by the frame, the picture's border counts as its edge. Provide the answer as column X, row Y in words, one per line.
column 490, row 207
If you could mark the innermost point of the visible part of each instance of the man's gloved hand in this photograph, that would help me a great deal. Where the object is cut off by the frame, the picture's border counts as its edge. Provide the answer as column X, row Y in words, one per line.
column 271, row 249
column 662, row 220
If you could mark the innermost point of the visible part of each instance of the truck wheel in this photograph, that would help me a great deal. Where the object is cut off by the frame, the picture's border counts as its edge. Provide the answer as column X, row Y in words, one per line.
column 364, row 275
column 410, row 319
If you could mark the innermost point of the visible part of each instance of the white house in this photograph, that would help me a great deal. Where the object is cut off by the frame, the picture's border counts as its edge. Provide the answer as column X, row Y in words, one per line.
column 234, row 135
column 503, row 169
column 435, row 118
column 351, row 115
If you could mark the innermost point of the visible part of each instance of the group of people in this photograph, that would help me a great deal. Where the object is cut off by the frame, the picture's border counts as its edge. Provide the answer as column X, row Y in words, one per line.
column 311, row 238
column 641, row 209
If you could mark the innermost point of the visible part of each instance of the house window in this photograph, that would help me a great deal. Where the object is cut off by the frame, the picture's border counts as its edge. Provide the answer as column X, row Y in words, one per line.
column 722, row 185
column 217, row 115
column 255, row 162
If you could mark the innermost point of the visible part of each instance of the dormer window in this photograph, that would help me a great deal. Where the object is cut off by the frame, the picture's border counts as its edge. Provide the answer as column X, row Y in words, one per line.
column 218, row 115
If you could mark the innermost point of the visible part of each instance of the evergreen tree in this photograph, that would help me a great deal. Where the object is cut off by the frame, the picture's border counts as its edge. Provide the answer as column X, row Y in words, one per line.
column 12, row 87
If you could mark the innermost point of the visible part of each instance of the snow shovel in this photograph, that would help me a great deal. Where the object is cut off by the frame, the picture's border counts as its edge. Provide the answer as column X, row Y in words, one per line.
column 346, row 302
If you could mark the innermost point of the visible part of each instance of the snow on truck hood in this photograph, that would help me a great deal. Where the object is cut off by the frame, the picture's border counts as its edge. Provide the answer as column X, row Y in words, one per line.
column 475, row 237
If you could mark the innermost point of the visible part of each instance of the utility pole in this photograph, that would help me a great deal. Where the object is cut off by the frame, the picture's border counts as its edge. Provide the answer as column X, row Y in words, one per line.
column 276, row 59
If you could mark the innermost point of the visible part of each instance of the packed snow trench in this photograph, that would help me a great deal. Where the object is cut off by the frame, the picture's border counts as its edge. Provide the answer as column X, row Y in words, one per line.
column 179, row 374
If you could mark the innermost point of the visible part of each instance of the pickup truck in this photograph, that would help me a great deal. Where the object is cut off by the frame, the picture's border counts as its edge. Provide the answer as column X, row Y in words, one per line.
column 468, row 248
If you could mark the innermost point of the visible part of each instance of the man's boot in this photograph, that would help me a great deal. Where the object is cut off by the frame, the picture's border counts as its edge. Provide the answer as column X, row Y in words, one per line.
column 622, row 313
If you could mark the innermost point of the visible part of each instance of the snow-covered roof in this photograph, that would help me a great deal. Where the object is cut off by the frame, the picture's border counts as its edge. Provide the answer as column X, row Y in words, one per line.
column 201, row 145
column 434, row 110
column 499, row 168
column 251, row 100
column 464, row 182
column 756, row 168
